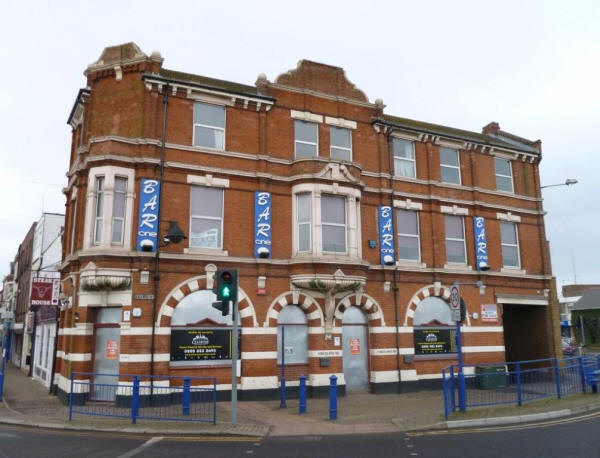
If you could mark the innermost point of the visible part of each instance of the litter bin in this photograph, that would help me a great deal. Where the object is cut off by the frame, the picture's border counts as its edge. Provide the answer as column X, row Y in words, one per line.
column 491, row 377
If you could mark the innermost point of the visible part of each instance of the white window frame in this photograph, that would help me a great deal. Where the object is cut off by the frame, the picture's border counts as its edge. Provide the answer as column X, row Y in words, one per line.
column 503, row 244
column 353, row 219
column 108, row 173
column 457, row 167
column 345, row 225
column 496, row 174
column 296, row 141
column 221, row 219
column 452, row 239
column 223, row 129
column 309, row 223
column 99, row 209
column 342, row 148
column 401, row 158
column 400, row 234
column 117, row 218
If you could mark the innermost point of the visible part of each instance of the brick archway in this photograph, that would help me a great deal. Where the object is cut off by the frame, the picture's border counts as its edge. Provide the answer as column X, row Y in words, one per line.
column 435, row 290
column 307, row 303
column 183, row 289
column 366, row 303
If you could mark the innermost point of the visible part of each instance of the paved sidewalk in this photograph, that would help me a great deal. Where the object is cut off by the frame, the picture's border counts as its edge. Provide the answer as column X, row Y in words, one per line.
column 26, row 401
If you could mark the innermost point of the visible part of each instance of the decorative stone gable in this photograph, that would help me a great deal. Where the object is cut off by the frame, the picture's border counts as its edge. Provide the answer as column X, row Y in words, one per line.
column 322, row 78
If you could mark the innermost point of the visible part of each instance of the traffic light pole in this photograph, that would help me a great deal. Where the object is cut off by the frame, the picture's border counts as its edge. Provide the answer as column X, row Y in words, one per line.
column 234, row 360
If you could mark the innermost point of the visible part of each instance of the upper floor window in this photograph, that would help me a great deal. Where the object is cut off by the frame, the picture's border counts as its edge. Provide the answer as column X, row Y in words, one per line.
column 99, row 210
column 326, row 220
column 510, row 245
column 209, row 125
column 304, row 219
column 341, row 143
column 206, row 217
column 504, row 178
column 305, row 139
column 333, row 221
column 109, row 208
column 455, row 239
column 118, row 216
column 449, row 165
column 408, row 235
column 404, row 158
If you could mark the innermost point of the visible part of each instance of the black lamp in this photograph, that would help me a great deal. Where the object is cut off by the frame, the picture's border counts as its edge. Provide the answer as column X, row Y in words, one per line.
column 174, row 234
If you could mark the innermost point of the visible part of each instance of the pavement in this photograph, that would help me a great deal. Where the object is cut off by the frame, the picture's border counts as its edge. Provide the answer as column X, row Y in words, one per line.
column 27, row 402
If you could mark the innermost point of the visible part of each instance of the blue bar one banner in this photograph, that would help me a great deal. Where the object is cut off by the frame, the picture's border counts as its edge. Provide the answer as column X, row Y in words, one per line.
column 262, row 224
column 147, row 229
column 481, row 253
column 386, row 235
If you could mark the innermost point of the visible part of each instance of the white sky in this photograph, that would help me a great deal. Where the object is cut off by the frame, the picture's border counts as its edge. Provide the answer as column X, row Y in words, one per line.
column 534, row 67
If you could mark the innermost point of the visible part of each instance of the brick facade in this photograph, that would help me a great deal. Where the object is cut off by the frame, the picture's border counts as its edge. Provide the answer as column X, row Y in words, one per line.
column 117, row 126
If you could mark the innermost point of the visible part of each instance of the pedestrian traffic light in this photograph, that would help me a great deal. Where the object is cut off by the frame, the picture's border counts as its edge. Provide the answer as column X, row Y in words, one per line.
column 222, row 306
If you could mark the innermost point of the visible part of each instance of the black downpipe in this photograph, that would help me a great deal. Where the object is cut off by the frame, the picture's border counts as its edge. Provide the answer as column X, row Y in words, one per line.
column 395, row 285
column 157, row 257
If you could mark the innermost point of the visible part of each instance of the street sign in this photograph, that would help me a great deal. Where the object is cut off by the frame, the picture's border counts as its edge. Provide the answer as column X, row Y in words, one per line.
column 454, row 297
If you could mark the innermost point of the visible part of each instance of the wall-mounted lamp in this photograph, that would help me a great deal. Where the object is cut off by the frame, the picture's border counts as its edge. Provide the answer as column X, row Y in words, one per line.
column 174, row 234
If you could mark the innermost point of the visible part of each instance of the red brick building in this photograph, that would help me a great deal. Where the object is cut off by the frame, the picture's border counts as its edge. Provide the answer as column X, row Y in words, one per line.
column 348, row 227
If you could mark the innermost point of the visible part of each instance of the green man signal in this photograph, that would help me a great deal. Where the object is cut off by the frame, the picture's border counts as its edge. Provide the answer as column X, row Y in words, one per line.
column 226, row 289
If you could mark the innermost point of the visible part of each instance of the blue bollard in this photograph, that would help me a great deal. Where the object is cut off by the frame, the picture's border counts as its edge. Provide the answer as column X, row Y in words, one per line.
column 333, row 410
column 186, row 396
column 135, row 399
column 302, row 404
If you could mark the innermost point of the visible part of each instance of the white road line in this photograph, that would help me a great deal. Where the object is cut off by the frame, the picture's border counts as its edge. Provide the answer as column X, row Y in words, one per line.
column 142, row 447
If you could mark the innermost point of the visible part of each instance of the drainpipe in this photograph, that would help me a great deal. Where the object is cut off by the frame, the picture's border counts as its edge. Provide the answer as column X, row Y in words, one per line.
column 395, row 285
column 158, row 242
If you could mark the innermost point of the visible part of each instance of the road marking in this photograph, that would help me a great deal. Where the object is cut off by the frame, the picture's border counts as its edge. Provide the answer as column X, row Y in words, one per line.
column 492, row 428
column 211, row 439
column 141, row 448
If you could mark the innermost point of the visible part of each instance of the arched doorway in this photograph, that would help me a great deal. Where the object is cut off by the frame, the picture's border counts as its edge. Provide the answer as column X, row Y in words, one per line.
column 355, row 349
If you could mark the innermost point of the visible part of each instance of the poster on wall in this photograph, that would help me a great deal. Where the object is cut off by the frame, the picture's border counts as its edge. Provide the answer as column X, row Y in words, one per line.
column 489, row 312
column 355, row 346
column 147, row 228
column 262, row 224
column 386, row 235
column 201, row 344
column 112, row 349
column 435, row 341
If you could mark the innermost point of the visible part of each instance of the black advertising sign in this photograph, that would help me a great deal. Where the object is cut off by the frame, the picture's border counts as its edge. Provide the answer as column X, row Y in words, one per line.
column 208, row 344
column 435, row 341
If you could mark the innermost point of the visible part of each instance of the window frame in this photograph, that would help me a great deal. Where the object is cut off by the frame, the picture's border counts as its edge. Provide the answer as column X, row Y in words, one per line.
column 332, row 146
column 99, row 210
column 344, row 225
column 304, row 142
column 309, row 222
column 449, row 166
column 213, row 218
column 119, row 218
column 401, row 158
column 510, row 245
column 452, row 239
column 496, row 175
column 206, row 126
column 400, row 234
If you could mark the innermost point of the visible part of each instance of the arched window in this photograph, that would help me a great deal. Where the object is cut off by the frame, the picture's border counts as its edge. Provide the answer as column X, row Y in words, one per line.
column 293, row 326
column 434, row 333
column 200, row 334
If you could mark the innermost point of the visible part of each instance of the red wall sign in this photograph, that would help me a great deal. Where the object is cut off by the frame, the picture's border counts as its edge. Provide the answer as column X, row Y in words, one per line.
column 355, row 346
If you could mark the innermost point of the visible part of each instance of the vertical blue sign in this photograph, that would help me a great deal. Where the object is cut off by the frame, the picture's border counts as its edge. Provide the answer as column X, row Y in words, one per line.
column 386, row 235
column 262, row 224
column 481, row 253
column 147, row 229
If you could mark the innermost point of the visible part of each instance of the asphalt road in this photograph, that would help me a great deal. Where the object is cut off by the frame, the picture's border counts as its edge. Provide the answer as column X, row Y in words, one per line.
column 570, row 437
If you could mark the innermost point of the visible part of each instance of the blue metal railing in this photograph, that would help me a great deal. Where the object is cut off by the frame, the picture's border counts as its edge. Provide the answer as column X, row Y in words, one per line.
column 146, row 397
column 519, row 382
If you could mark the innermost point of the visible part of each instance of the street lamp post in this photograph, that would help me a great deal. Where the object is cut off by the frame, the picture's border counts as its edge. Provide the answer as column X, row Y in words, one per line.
column 568, row 182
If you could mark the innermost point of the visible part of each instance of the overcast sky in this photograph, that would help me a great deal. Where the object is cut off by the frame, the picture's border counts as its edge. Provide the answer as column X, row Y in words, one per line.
column 534, row 67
